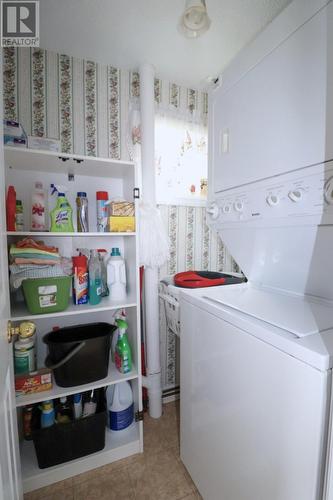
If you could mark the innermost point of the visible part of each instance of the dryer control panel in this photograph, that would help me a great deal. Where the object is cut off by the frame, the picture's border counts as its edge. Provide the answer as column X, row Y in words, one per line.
column 304, row 196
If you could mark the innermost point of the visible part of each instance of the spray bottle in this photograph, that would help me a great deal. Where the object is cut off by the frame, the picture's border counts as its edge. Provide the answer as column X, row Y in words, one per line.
column 119, row 314
column 123, row 354
column 62, row 214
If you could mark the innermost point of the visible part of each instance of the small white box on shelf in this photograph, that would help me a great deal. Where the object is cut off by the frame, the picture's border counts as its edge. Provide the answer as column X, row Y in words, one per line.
column 44, row 143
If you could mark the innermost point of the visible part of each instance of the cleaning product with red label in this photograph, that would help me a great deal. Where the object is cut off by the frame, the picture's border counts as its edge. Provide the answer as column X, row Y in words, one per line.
column 62, row 214
column 80, row 280
column 102, row 210
column 38, row 222
column 120, row 406
column 11, row 209
column 123, row 354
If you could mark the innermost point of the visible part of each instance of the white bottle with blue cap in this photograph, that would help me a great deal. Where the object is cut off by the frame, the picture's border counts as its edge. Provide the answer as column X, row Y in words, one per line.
column 116, row 275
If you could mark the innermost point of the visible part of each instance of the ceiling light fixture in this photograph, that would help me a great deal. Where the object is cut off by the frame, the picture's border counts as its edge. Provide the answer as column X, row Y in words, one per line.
column 194, row 20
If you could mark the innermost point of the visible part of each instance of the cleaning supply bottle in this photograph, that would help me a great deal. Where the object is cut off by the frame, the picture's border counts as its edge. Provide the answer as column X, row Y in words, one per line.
column 62, row 215
column 101, row 254
column 116, row 275
column 11, row 209
column 95, row 278
column 38, row 222
column 123, row 353
column 102, row 210
column 24, row 349
column 82, row 212
column 19, row 221
column 90, row 405
column 24, row 356
column 120, row 406
column 77, row 405
column 80, row 280
column 63, row 412
column 47, row 418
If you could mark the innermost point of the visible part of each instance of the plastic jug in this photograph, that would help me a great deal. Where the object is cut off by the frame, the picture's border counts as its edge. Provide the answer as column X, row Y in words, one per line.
column 116, row 275
column 120, row 406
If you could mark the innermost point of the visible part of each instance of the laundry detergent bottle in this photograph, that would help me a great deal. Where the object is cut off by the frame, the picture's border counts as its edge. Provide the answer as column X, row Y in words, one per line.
column 123, row 353
column 116, row 275
column 62, row 215
column 120, row 406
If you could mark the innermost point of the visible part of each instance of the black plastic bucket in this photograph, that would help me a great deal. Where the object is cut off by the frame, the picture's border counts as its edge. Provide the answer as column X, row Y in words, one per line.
column 79, row 354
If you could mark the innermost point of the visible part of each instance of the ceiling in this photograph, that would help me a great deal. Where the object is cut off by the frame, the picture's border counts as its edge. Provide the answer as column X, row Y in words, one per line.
column 125, row 33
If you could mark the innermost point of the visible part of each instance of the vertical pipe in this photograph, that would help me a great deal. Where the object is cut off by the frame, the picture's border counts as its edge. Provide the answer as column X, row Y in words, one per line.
column 151, row 274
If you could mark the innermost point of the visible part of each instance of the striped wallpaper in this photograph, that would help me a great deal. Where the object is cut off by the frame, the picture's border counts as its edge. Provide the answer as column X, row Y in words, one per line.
column 193, row 245
column 86, row 106
column 80, row 102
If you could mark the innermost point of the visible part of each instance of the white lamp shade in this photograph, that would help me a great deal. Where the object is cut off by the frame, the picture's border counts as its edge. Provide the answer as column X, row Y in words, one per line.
column 194, row 21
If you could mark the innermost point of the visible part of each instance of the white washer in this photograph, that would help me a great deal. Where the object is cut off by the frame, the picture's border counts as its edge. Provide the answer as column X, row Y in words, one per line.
column 255, row 395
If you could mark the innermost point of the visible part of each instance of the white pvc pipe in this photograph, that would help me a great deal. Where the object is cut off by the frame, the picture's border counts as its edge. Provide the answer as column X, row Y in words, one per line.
column 147, row 104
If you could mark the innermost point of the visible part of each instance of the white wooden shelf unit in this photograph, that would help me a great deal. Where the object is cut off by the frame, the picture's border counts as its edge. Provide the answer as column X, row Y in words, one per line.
column 79, row 173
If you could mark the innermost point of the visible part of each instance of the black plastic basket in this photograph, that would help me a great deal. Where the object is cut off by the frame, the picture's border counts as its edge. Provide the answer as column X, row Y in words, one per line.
column 64, row 442
column 79, row 354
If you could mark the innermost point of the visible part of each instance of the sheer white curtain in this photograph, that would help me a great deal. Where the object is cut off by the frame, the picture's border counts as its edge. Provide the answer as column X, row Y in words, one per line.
column 180, row 161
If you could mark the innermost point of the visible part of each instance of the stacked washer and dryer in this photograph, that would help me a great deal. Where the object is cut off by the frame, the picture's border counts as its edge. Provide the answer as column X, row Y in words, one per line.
column 256, row 367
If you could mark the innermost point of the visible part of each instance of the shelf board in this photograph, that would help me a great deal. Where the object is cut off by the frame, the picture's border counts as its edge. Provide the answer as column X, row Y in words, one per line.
column 49, row 161
column 19, row 311
column 71, row 235
column 114, row 376
column 117, row 446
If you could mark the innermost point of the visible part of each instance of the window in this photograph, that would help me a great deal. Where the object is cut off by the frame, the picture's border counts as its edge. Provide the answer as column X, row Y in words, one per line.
column 180, row 161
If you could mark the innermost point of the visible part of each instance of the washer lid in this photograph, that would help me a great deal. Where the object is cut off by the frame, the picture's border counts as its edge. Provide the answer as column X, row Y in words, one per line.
column 297, row 315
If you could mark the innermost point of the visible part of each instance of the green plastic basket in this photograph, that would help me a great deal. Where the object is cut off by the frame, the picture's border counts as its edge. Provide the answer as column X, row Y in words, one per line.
column 47, row 295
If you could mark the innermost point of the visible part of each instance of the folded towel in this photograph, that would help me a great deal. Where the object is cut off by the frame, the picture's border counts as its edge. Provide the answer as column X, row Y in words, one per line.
column 19, row 252
column 39, row 245
column 50, row 262
column 23, row 272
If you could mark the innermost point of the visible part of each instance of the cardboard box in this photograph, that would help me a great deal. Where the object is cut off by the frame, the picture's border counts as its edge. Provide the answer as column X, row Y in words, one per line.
column 122, row 208
column 121, row 224
column 29, row 383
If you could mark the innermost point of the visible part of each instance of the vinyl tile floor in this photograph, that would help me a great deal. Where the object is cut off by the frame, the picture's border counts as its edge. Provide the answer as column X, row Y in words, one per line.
column 156, row 474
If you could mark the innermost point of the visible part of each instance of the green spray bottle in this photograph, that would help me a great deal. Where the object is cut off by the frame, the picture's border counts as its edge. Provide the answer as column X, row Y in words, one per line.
column 62, row 214
column 123, row 354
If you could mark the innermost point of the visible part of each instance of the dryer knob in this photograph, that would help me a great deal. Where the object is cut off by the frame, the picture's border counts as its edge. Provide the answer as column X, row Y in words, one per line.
column 272, row 200
column 295, row 195
column 213, row 211
column 239, row 206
